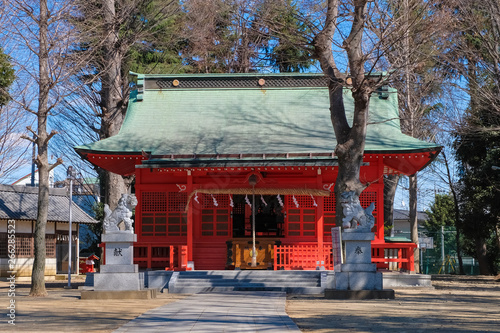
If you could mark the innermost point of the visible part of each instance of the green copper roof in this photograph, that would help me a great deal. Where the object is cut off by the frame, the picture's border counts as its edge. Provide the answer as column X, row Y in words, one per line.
column 214, row 114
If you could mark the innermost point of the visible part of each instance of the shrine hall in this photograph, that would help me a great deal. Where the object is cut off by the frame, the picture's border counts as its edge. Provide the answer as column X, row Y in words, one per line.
column 222, row 159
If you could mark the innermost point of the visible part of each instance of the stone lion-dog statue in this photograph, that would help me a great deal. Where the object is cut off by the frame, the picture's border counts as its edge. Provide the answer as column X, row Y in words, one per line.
column 355, row 217
column 123, row 212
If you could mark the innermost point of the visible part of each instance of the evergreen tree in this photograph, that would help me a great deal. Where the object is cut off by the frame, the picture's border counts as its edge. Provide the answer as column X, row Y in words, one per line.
column 6, row 77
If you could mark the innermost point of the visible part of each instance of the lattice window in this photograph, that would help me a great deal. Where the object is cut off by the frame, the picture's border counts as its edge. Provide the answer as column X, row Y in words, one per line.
column 329, row 203
column 221, row 199
column 176, row 218
column 154, row 224
column 304, row 201
column 300, row 221
column 328, row 224
column 177, row 224
column 24, row 246
column 329, row 216
column 366, row 198
column 177, row 201
column 50, row 246
column 154, row 201
column 163, row 214
column 215, row 222
column 3, row 245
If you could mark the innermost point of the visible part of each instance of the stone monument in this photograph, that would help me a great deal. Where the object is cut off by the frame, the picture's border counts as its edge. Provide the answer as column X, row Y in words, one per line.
column 357, row 275
column 119, row 272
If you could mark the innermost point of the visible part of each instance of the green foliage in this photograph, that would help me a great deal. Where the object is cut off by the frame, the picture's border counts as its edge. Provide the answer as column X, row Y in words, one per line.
column 441, row 213
column 477, row 152
column 95, row 230
column 284, row 48
column 6, row 77
column 159, row 53
column 229, row 36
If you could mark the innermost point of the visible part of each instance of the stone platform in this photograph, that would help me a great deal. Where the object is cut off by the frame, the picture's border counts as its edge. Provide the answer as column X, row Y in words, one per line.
column 119, row 294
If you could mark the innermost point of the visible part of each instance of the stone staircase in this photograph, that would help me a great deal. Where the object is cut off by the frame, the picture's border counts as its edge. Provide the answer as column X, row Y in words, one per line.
column 292, row 282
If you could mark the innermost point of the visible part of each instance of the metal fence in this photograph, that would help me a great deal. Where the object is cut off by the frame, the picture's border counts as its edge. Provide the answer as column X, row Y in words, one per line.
column 441, row 258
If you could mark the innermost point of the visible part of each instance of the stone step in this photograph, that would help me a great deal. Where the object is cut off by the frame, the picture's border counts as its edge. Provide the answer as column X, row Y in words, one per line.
column 283, row 280
column 289, row 290
column 240, row 283
column 302, row 282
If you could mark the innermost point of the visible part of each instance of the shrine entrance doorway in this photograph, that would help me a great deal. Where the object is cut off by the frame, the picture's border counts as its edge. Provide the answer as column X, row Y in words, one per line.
column 269, row 216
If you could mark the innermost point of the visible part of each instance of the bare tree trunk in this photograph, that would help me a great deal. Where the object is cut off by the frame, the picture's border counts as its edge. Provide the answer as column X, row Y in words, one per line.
column 414, row 220
column 114, row 187
column 42, row 161
column 481, row 253
column 113, row 100
column 350, row 140
column 349, row 151
column 390, row 186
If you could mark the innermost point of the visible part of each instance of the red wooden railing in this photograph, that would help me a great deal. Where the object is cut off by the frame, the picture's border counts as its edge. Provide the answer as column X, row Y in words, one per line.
column 394, row 256
column 302, row 257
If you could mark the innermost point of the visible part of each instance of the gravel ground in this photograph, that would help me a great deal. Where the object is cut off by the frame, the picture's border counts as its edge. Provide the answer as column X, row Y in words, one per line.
column 455, row 304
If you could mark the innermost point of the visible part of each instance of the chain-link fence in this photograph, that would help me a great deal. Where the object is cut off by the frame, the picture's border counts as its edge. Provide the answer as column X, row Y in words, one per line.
column 438, row 253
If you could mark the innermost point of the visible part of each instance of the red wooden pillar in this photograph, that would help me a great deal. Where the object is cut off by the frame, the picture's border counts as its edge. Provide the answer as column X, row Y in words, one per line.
column 150, row 254
column 182, row 260
column 190, row 218
column 171, row 258
column 320, row 217
column 379, row 234
column 138, row 209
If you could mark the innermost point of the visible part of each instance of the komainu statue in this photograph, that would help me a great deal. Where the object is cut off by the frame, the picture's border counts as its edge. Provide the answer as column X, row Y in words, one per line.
column 123, row 212
column 355, row 217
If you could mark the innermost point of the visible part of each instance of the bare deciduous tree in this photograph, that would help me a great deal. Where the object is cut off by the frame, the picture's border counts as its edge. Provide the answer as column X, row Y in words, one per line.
column 365, row 32
column 41, row 37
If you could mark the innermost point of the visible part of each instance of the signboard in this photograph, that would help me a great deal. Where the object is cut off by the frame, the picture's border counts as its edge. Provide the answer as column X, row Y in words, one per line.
column 426, row 242
column 337, row 248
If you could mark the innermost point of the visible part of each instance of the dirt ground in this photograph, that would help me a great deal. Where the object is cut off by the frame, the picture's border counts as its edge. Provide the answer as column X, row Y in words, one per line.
column 455, row 304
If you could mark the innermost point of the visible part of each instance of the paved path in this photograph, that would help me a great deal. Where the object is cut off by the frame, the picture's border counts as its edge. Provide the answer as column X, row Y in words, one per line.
column 218, row 312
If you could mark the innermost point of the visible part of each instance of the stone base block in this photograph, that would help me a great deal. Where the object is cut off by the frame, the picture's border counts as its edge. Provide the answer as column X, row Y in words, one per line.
column 119, row 237
column 358, row 252
column 125, row 294
column 359, row 294
column 117, row 281
column 119, row 269
column 358, row 281
column 355, row 235
column 359, row 267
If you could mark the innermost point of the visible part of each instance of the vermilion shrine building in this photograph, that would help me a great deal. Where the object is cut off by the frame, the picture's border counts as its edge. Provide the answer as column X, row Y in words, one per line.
column 194, row 141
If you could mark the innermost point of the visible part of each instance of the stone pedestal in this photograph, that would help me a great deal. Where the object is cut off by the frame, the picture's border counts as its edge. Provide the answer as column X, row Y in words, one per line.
column 358, row 273
column 119, row 273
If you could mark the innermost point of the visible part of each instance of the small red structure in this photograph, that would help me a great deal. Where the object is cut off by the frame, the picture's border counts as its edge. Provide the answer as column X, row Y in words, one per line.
column 195, row 145
column 87, row 264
